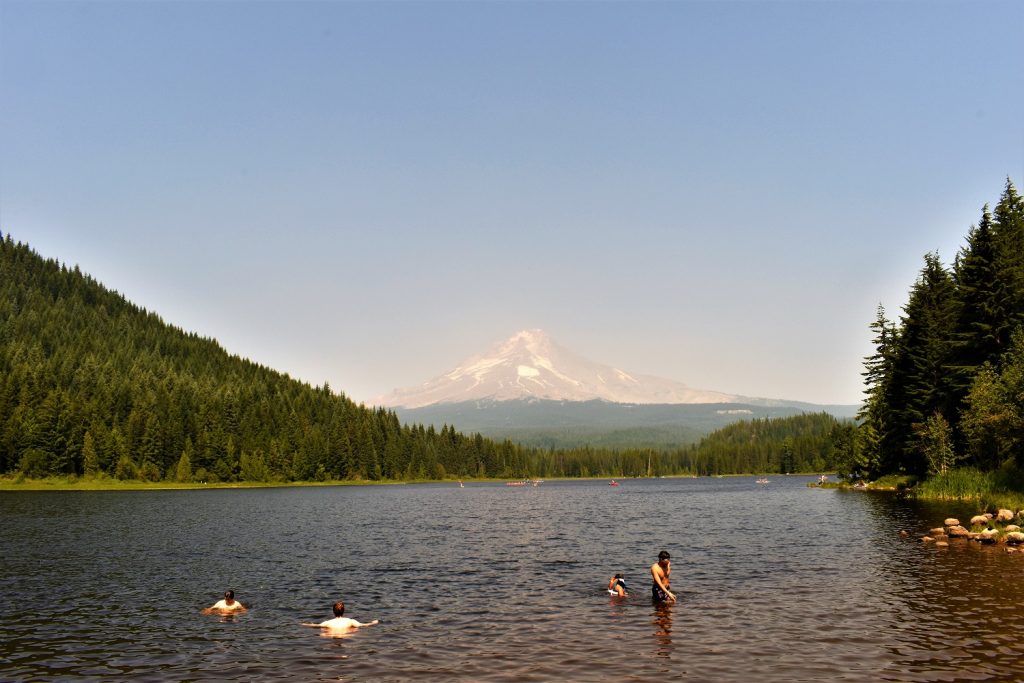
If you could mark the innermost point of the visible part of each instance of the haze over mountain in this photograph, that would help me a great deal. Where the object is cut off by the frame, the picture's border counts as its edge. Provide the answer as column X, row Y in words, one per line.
column 530, row 365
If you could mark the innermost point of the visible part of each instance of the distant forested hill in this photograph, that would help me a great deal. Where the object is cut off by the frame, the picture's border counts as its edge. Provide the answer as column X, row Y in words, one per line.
column 799, row 443
column 568, row 424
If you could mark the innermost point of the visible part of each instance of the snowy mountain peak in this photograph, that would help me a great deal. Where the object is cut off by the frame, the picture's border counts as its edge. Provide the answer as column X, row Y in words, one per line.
column 530, row 365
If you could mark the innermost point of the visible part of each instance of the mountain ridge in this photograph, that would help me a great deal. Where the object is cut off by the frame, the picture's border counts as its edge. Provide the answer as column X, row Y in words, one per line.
column 531, row 366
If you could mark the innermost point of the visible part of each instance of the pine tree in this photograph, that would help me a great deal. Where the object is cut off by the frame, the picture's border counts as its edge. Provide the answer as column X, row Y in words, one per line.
column 875, row 414
column 90, row 459
column 982, row 312
column 1008, row 230
column 920, row 383
column 183, row 470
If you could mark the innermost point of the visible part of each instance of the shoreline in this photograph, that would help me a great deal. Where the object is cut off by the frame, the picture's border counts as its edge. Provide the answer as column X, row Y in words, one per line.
column 75, row 483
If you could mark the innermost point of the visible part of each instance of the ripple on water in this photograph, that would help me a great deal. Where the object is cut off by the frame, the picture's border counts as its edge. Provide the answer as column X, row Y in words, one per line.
column 491, row 583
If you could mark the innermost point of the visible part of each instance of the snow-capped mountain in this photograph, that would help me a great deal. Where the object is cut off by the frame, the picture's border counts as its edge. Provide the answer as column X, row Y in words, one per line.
column 531, row 366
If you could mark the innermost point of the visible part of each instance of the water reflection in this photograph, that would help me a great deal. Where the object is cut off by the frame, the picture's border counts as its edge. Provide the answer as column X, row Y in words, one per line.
column 662, row 621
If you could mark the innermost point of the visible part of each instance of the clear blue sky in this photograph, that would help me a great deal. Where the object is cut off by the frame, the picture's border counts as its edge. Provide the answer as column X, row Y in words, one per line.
column 719, row 193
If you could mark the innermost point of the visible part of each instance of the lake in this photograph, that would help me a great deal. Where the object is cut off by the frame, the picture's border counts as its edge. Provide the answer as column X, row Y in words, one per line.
column 776, row 582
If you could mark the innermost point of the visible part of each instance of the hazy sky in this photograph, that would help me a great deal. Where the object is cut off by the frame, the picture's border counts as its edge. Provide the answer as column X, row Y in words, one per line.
column 719, row 193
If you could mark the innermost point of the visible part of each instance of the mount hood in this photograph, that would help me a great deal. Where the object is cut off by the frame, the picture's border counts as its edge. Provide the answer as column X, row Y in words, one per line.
column 530, row 365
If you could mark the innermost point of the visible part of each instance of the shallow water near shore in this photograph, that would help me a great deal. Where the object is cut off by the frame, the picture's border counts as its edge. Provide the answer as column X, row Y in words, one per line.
column 777, row 582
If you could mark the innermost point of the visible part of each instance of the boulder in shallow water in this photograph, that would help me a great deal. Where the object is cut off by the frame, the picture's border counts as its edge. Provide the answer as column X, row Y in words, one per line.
column 937, row 530
column 952, row 521
column 941, row 544
column 927, row 539
column 1011, row 527
column 1015, row 537
column 979, row 520
column 988, row 536
column 1004, row 515
column 957, row 531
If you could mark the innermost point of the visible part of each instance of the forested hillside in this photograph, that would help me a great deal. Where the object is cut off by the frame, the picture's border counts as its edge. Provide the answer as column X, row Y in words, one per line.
column 92, row 385
column 945, row 385
column 785, row 445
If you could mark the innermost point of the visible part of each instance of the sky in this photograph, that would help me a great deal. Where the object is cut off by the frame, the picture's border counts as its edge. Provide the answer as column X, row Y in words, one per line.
column 718, row 193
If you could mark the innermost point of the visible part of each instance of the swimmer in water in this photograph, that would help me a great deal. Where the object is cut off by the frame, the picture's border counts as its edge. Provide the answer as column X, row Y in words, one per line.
column 227, row 605
column 617, row 586
column 660, row 572
column 341, row 623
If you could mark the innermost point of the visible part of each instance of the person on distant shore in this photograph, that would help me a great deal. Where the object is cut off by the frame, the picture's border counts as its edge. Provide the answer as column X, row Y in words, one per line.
column 340, row 622
column 228, row 604
column 660, row 572
column 617, row 586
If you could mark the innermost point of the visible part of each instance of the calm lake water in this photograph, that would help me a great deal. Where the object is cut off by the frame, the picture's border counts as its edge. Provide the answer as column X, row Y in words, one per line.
column 777, row 582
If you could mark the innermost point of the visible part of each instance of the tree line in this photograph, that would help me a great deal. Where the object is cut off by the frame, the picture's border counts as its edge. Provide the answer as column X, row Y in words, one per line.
column 93, row 385
column 945, row 383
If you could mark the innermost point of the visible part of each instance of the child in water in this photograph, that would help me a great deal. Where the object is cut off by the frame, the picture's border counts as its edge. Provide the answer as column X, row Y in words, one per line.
column 617, row 586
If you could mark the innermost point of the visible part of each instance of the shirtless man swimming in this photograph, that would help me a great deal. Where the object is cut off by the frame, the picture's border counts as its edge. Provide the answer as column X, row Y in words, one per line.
column 228, row 604
column 339, row 622
column 660, row 572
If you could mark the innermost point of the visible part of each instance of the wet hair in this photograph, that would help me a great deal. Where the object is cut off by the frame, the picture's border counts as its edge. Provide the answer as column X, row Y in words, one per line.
column 339, row 608
column 229, row 595
column 663, row 555
column 618, row 576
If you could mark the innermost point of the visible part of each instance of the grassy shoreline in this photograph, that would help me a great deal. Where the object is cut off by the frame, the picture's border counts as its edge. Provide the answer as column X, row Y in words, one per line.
column 74, row 483
column 990, row 491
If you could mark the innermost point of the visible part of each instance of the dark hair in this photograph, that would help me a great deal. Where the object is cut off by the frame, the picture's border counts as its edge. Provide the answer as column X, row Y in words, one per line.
column 663, row 555
column 618, row 576
column 230, row 595
column 339, row 608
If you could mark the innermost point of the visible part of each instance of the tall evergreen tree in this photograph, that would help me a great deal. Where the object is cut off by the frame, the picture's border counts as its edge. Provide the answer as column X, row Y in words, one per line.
column 1008, row 231
column 920, row 383
column 982, row 311
column 867, row 454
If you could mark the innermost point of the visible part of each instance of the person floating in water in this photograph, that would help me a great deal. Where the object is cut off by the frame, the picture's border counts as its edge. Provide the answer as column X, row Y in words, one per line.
column 341, row 623
column 617, row 586
column 660, row 572
column 227, row 605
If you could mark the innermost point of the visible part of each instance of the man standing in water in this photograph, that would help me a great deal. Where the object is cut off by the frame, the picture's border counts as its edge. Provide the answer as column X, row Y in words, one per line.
column 660, row 572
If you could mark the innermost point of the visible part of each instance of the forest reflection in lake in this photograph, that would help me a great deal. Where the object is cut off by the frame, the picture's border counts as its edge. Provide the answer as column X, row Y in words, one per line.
column 777, row 582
